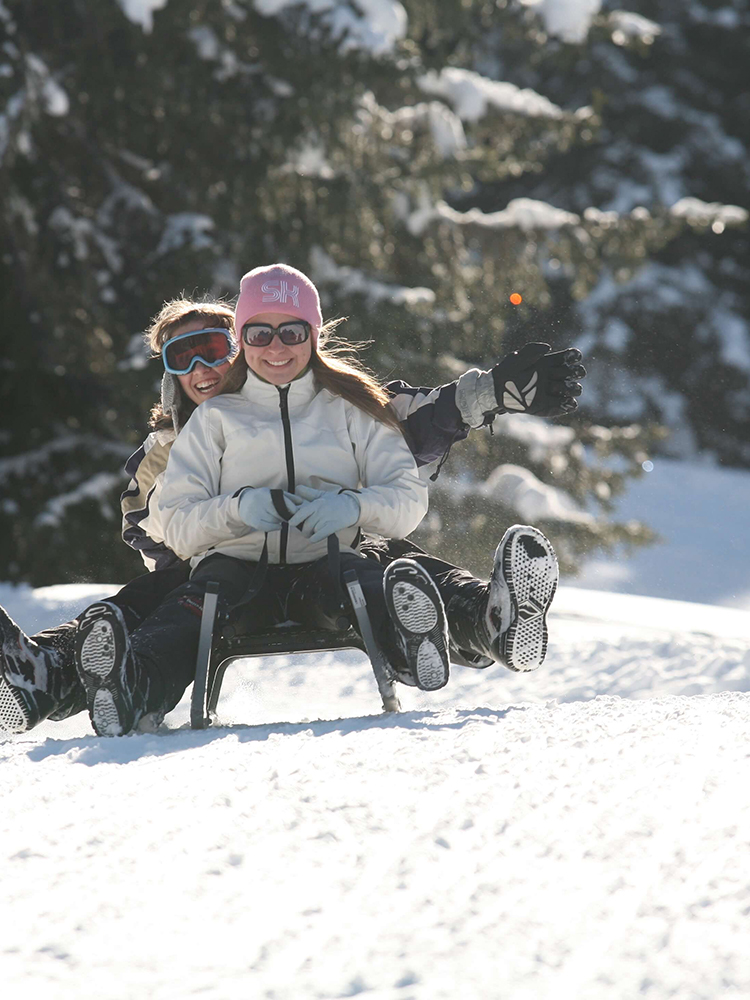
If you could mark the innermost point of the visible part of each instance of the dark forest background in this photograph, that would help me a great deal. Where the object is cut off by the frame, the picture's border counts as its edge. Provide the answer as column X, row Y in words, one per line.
column 421, row 169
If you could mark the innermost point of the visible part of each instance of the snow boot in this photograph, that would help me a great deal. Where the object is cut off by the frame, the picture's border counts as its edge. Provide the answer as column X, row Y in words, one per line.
column 522, row 585
column 107, row 670
column 416, row 610
column 26, row 673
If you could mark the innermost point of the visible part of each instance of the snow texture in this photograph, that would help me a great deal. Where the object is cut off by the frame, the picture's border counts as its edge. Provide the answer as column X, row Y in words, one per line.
column 581, row 831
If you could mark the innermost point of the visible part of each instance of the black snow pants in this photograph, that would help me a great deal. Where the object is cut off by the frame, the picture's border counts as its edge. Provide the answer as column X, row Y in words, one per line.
column 464, row 597
column 166, row 644
column 137, row 600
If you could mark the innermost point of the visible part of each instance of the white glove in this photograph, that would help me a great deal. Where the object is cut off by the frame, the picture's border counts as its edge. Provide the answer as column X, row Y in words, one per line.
column 324, row 513
column 258, row 512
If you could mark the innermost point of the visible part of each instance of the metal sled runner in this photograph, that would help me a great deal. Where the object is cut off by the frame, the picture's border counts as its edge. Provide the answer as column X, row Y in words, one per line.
column 219, row 646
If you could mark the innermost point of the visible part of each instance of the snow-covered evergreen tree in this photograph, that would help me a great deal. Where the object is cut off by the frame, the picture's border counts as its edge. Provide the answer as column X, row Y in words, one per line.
column 669, row 340
column 421, row 161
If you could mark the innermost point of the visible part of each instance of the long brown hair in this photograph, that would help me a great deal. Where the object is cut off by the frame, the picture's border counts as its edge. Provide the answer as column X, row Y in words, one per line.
column 338, row 369
column 170, row 317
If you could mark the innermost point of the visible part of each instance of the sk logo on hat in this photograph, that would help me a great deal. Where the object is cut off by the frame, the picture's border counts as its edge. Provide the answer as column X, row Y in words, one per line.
column 279, row 291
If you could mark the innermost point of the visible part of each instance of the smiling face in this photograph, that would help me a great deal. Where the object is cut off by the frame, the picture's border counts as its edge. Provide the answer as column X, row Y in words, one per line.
column 277, row 363
column 202, row 382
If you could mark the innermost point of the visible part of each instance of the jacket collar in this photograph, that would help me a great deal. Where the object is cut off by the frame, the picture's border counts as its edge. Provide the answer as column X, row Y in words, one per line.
column 300, row 391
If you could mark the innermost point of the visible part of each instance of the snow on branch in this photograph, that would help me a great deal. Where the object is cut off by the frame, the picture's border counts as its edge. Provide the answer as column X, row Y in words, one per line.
column 40, row 93
column 471, row 94
column 186, row 228
column 27, row 463
column 445, row 127
column 351, row 281
column 374, row 25
column 567, row 19
column 542, row 438
column 142, row 11
column 53, row 98
column 123, row 196
column 521, row 213
column 518, row 488
column 13, row 109
column 210, row 49
column 95, row 488
column 534, row 500
column 309, row 160
column 137, row 355
column 625, row 25
column 714, row 214
column 77, row 231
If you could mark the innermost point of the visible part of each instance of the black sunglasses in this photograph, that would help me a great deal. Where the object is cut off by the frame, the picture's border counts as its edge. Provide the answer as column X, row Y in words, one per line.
column 261, row 334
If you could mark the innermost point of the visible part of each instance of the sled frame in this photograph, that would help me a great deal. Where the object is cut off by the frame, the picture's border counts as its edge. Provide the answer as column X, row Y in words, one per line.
column 219, row 646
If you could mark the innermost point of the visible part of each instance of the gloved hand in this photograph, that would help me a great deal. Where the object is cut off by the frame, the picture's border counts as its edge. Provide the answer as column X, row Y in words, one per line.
column 259, row 512
column 324, row 512
column 533, row 380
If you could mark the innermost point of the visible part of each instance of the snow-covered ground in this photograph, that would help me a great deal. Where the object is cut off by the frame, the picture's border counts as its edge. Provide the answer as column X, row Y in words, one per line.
column 579, row 832
column 583, row 831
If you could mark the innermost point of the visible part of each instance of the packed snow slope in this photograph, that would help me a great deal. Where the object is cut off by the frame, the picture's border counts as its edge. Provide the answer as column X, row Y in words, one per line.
column 583, row 831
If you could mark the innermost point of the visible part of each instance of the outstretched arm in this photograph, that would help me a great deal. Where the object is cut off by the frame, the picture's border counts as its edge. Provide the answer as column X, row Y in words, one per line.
column 430, row 419
column 532, row 380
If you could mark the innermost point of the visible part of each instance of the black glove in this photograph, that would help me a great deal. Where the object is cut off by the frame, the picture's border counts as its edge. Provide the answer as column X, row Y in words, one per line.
column 533, row 380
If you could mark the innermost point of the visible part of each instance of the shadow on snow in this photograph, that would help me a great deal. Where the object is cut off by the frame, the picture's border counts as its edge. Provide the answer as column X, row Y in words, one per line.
column 93, row 750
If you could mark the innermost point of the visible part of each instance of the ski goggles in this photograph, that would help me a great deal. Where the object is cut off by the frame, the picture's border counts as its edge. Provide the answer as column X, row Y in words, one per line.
column 212, row 347
column 261, row 334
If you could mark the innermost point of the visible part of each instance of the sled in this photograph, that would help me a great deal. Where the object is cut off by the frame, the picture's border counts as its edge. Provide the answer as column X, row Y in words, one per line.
column 220, row 644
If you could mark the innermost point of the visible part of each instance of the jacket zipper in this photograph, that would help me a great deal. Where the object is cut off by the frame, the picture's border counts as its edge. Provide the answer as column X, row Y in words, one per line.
column 289, row 452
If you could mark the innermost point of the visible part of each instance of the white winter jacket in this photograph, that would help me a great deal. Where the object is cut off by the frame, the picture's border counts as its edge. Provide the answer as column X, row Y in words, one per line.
column 281, row 437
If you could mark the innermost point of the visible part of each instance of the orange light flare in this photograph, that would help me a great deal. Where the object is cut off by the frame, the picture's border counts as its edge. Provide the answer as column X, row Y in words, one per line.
column 516, row 299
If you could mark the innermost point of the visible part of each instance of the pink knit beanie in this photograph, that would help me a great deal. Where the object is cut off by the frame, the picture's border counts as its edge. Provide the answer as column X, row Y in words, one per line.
column 278, row 288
